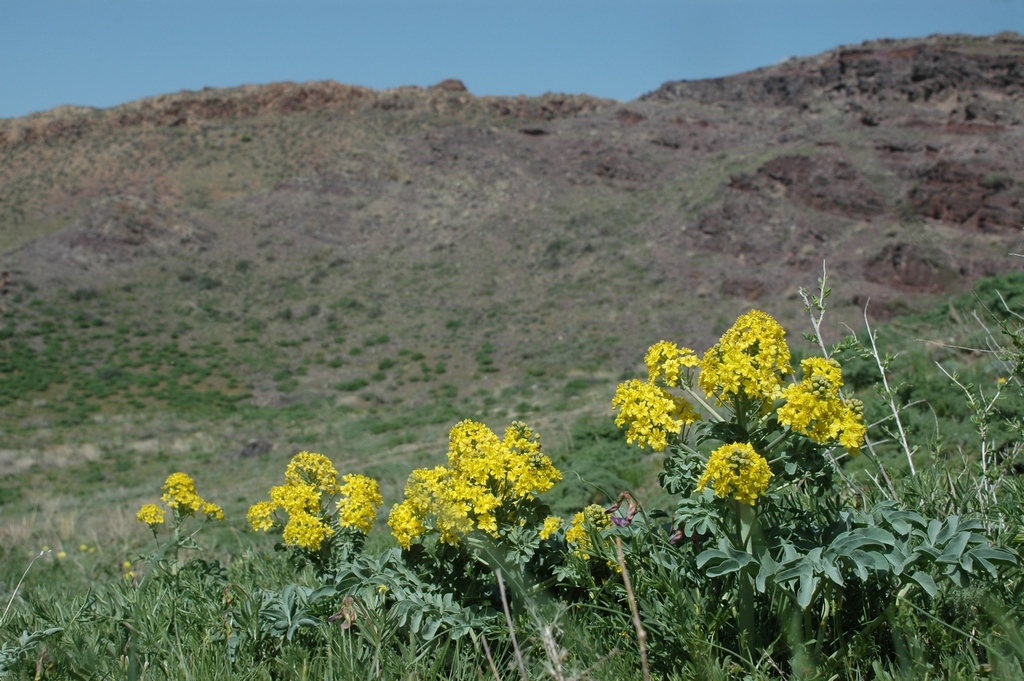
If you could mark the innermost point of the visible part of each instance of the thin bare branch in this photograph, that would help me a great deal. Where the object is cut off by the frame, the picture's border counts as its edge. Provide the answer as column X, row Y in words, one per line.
column 889, row 395
column 641, row 633
column 511, row 628
column 490, row 658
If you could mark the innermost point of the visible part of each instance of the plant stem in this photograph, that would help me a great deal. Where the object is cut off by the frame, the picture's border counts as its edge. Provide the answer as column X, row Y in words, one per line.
column 718, row 417
column 641, row 633
column 776, row 442
column 20, row 581
column 745, row 608
column 511, row 628
column 889, row 395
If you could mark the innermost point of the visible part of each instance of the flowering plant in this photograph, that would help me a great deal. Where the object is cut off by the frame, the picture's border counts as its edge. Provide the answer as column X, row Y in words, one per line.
column 184, row 502
column 483, row 507
column 320, row 520
column 768, row 497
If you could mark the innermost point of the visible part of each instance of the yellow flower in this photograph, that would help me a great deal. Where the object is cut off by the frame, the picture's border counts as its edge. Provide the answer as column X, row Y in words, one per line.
column 180, row 494
column 382, row 588
column 736, row 470
column 81, row 547
column 815, row 407
column 526, row 470
column 213, row 511
column 405, row 523
column 669, row 361
column 360, row 499
column 151, row 514
column 551, row 525
column 586, row 521
column 62, row 555
column 748, row 361
column 650, row 413
column 486, row 478
column 308, row 499
column 261, row 515
column 306, row 531
column 296, row 497
column 314, row 469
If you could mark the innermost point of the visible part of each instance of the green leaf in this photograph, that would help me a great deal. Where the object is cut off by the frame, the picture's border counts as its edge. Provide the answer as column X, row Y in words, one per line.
column 868, row 560
column 724, row 560
column 430, row 630
column 987, row 556
column 903, row 522
column 768, row 568
column 994, row 554
column 730, row 565
column 954, row 549
column 989, row 567
column 861, row 538
column 832, row 572
column 957, row 576
column 926, row 582
column 899, row 560
column 972, row 524
column 804, row 572
column 415, row 620
column 802, row 569
column 710, row 554
column 949, row 529
column 808, row 583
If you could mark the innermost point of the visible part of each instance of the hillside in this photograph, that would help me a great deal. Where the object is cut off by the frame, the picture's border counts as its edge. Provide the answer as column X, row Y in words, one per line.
column 329, row 248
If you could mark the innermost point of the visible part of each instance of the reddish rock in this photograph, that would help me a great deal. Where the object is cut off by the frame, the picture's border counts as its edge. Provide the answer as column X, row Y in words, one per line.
column 904, row 266
column 822, row 182
column 628, row 117
column 974, row 196
column 450, row 85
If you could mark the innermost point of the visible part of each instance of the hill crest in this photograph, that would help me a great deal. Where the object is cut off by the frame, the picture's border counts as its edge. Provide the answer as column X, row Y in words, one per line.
column 556, row 233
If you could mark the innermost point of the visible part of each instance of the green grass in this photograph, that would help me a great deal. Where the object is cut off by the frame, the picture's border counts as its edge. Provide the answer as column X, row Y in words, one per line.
column 107, row 399
column 115, row 369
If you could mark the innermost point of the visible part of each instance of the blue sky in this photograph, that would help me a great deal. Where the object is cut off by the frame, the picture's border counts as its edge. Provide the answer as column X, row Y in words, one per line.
column 105, row 52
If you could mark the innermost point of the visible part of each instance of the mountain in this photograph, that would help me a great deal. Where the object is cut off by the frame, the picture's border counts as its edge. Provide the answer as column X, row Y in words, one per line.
column 320, row 240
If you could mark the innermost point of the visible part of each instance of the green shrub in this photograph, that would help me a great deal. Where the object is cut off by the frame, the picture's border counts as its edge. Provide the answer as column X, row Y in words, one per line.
column 352, row 386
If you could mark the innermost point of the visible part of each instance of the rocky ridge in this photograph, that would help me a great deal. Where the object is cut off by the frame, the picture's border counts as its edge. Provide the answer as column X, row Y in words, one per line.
column 900, row 164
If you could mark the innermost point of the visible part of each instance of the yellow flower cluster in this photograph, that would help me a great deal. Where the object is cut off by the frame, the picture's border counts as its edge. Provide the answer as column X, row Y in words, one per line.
column 668, row 361
column 311, row 482
column 151, row 514
column 313, row 469
column 180, row 495
column 485, row 480
column 306, row 531
column 551, row 525
column 747, row 361
column 815, row 407
column 307, row 478
column 578, row 534
column 360, row 499
column 650, row 413
column 261, row 515
column 737, row 470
